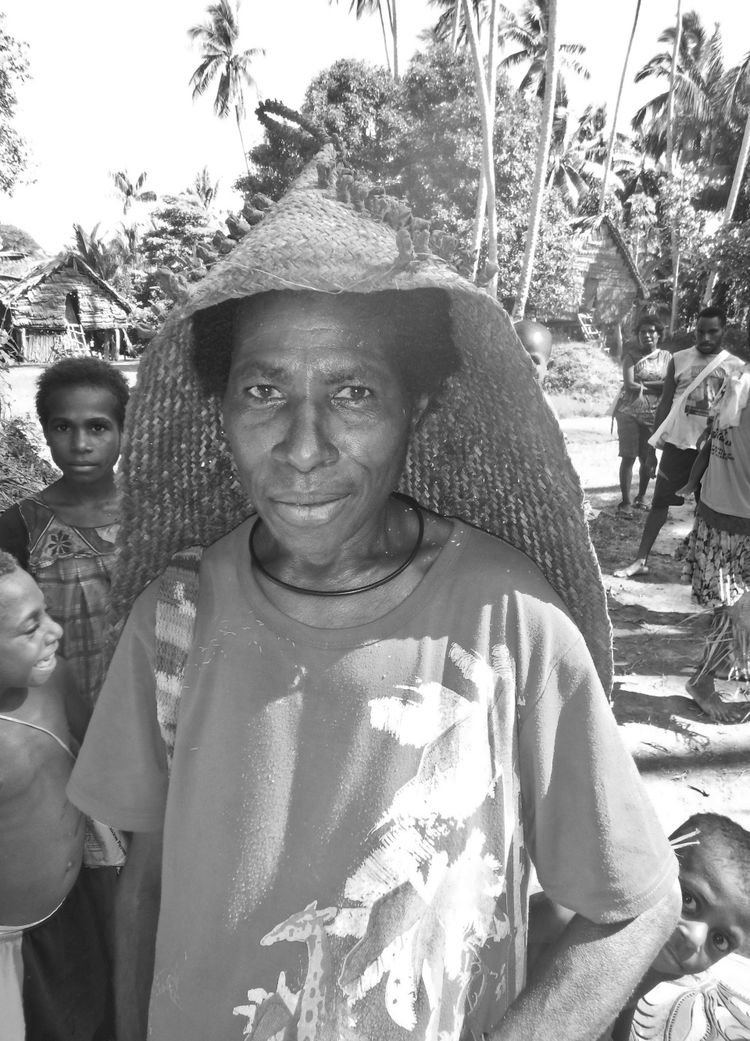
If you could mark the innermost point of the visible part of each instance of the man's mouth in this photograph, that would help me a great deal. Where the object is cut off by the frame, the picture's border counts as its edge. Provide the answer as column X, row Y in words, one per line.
column 314, row 508
column 49, row 661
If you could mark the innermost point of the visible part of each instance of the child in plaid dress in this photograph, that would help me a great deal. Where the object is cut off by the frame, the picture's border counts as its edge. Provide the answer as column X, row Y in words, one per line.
column 65, row 536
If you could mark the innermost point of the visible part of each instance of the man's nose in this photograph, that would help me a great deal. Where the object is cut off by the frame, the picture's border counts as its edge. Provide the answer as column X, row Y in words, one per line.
column 306, row 443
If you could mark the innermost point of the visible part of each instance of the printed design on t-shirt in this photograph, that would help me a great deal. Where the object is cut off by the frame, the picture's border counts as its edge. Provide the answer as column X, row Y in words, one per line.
column 700, row 400
column 721, row 444
column 426, row 897
column 691, row 1009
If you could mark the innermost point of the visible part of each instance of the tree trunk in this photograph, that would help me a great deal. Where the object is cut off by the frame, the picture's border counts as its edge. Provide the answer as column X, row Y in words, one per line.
column 675, row 289
column 242, row 141
column 480, row 212
column 385, row 38
column 393, row 15
column 739, row 174
column 613, row 131
column 672, row 83
column 456, row 27
column 488, row 160
column 542, row 155
column 670, row 165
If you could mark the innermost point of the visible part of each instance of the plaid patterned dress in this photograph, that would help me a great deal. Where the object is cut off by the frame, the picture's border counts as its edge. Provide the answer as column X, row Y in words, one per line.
column 73, row 568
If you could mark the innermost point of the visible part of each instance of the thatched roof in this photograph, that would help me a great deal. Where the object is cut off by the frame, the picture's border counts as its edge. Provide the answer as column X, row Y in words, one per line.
column 39, row 298
column 627, row 256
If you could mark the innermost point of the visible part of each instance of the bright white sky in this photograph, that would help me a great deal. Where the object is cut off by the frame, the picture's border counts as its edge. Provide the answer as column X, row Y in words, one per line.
column 110, row 85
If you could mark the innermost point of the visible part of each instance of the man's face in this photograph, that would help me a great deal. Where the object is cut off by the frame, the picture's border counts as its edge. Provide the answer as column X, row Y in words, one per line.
column 318, row 429
column 715, row 918
column 709, row 332
column 28, row 636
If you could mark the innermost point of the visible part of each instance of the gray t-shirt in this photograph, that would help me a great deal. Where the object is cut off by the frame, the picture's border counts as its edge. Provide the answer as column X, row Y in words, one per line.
column 350, row 814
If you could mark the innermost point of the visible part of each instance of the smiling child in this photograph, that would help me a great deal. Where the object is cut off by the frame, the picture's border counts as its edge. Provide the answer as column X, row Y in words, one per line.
column 53, row 980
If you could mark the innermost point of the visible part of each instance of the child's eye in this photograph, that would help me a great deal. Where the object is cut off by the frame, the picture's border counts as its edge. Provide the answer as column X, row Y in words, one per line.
column 721, row 942
column 353, row 394
column 689, row 903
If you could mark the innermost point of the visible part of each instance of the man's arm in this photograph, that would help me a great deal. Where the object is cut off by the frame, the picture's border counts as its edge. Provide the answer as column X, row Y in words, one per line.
column 584, row 979
column 667, row 396
column 136, row 916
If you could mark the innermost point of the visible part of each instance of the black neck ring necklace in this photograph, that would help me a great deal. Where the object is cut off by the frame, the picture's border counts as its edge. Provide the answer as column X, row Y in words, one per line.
column 343, row 592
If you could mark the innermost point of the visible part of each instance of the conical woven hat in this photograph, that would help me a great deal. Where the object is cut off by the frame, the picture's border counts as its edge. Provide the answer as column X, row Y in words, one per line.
column 493, row 453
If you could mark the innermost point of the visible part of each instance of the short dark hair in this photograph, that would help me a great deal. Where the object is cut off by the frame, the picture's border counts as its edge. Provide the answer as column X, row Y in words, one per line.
column 729, row 843
column 713, row 312
column 8, row 563
column 649, row 318
column 81, row 372
column 412, row 325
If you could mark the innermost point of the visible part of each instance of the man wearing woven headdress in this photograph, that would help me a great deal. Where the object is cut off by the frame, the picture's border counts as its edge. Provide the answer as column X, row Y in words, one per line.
column 342, row 732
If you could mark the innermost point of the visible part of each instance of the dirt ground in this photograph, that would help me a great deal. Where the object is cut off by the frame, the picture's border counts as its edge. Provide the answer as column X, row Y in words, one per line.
column 690, row 765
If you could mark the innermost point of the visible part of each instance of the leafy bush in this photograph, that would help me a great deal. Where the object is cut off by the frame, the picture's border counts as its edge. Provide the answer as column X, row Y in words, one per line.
column 584, row 374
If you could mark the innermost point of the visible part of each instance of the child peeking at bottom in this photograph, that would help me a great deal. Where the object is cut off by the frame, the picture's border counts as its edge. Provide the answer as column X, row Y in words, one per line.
column 714, row 864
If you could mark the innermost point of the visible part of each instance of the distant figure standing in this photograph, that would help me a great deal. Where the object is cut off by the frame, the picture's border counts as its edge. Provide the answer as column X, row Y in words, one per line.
column 644, row 368
column 694, row 377
column 537, row 342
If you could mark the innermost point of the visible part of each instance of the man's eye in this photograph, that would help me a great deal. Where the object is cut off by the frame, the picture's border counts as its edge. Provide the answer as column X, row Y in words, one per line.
column 262, row 392
column 721, row 942
column 354, row 393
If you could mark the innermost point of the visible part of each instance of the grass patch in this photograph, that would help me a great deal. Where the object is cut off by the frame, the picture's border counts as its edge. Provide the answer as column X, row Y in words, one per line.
column 583, row 380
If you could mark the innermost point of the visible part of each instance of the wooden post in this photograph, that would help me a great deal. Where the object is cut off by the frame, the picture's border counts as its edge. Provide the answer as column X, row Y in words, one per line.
column 23, row 344
column 116, row 351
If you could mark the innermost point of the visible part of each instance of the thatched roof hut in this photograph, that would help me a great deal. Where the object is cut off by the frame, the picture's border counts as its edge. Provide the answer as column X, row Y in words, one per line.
column 62, row 298
column 607, row 275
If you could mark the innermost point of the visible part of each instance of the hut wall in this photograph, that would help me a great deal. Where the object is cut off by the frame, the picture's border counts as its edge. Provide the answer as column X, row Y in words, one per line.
column 599, row 265
column 43, row 306
column 41, row 348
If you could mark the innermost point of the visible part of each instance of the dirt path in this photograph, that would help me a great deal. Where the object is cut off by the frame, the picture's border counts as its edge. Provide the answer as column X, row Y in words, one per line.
column 690, row 763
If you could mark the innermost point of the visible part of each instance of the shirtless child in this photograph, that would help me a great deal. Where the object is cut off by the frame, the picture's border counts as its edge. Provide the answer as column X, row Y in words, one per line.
column 714, row 863
column 53, row 972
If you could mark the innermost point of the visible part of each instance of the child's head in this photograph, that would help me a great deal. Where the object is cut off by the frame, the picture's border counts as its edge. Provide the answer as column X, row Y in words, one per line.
column 715, row 882
column 81, row 406
column 28, row 636
column 537, row 342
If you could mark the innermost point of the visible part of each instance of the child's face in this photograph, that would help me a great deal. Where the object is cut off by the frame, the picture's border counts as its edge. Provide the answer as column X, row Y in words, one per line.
column 715, row 919
column 540, row 364
column 83, row 433
column 28, row 636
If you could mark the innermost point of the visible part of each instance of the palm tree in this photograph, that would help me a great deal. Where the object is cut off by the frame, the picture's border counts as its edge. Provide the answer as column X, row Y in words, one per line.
column 576, row 154
column 451, row 25
column 735, row 89
column 613, row 129
column 132, row 191
column 697, row 64
column 204, row 189
column 545, row 137
column 528, row 31
column 485, row 81
column 104, row 258
column 361, row 7
column 218, row 39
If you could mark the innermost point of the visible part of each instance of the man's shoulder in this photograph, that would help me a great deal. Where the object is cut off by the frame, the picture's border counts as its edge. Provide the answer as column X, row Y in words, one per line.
column 492, row 563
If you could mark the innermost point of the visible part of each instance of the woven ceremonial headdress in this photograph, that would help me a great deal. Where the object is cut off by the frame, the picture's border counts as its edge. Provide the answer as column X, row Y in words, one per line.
column 492, row 454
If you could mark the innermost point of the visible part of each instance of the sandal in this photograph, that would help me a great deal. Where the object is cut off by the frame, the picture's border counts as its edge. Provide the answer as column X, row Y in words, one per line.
column 624, row 509
column 639, row 504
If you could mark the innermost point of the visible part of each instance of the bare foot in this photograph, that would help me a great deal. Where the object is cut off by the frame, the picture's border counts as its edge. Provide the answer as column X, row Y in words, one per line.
column 708, row 699
column 638, row 567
